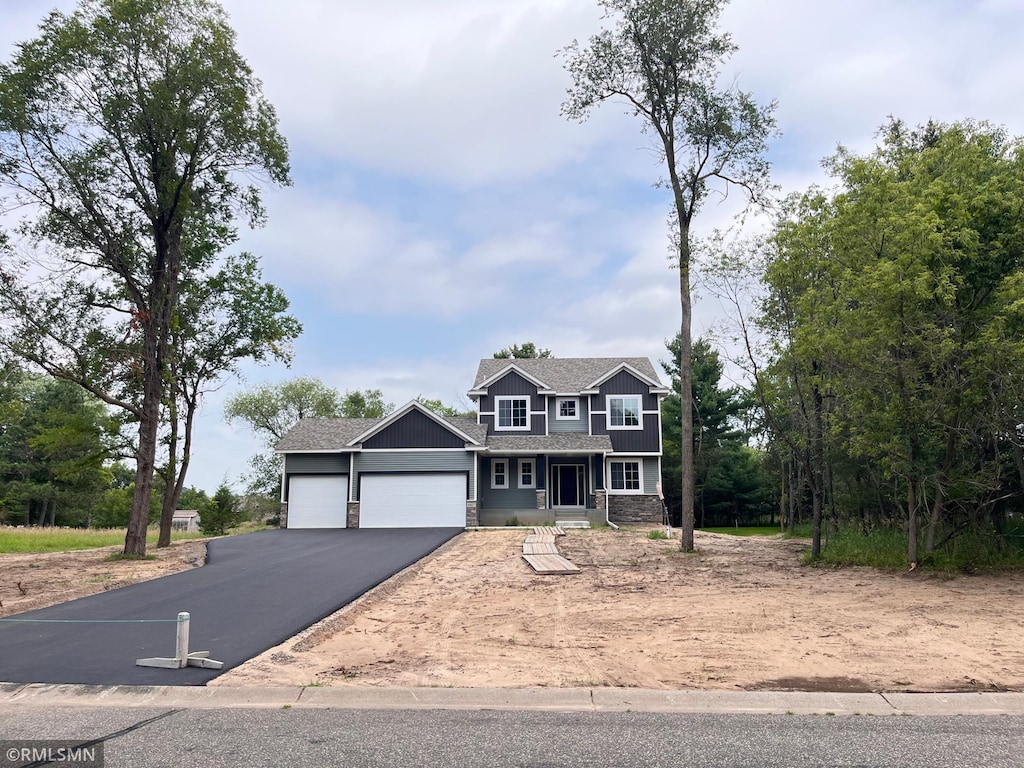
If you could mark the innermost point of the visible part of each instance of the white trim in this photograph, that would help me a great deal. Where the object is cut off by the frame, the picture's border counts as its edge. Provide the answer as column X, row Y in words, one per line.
column 494, row 466
column 640, row 475
column 314, row 450
column 558, row 409
column 498, row 399
column 422, row 450
column 533, row 473
column 639, row 412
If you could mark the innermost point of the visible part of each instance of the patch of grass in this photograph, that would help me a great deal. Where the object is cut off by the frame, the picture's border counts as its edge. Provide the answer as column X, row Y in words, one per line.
column 32, row 540
column 118, row 556
column 887, row 549
column 879, row 549
column 657, row 534
column 753, row 530
column 512, row 522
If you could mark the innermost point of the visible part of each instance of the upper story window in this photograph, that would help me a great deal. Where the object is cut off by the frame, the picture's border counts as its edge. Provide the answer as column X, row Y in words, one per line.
column 512, row 413
column 567, row 408
column 624, row 412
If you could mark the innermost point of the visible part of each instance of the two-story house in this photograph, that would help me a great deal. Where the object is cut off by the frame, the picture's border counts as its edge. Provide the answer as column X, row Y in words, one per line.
column 554, row 439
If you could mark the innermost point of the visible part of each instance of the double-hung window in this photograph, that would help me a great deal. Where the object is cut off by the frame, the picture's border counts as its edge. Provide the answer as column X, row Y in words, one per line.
column 625, row 475
column 513, row 413
column 499, row 473
column 624, row 412
column 526, row 473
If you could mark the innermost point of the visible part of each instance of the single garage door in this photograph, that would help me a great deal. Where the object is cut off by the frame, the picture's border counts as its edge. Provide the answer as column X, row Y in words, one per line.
column 412, row 501
column 318, row 501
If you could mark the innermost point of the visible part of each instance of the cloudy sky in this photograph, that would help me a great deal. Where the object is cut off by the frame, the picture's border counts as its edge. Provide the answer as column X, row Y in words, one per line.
column 442, row 208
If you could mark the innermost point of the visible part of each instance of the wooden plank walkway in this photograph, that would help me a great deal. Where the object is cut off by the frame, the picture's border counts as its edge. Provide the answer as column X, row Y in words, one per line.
column 540, row 552
column 549, row 565
column 539, row 548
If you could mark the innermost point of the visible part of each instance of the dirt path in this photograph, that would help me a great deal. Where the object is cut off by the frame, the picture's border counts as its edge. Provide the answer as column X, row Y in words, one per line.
column 36, row 581
column 740, row 614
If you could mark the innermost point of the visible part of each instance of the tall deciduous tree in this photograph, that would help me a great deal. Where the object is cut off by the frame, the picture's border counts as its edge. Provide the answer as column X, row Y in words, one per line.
column 130, row 132
column 227, row 317
column 270, row 410
column 661, row 59
column 900, row 298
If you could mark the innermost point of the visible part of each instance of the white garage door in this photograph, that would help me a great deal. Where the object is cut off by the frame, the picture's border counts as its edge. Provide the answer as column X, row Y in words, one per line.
column 412, row 501
column 318, row 501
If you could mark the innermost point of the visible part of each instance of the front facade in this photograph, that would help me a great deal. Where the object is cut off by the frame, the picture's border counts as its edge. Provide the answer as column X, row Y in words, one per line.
column 554, row 439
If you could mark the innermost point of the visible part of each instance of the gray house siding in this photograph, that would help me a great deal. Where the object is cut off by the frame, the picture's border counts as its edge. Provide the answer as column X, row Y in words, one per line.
column 625, row 383
column 568, row 425
column 651, row 475
column 315, row 463
column 512, row 497
column 414, row 461
column 514, row 384
column 415, row 430
column 646, row 440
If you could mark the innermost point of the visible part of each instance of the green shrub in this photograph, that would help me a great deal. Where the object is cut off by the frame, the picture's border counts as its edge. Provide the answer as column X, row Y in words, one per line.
column 657, row 533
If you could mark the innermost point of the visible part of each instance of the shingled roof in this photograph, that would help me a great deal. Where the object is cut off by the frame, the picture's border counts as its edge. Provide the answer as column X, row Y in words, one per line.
column 562, row 442
column 336, row 434
column 565, row 374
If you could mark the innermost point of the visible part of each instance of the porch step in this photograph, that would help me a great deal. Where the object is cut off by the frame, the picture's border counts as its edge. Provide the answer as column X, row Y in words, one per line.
column 572, row 523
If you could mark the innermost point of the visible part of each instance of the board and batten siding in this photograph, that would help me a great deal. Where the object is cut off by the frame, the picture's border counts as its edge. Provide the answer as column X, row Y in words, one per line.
column 514, row 384
column 315, row 463
column 569, row 425
column 415, row 430
column 415, row 461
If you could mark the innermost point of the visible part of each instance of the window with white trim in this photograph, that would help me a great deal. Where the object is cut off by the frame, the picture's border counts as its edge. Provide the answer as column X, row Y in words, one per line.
column 499, row 473
column 567, row 408
column 526, row 473
column 624, row 412
column 625, row 475
column 512, row 413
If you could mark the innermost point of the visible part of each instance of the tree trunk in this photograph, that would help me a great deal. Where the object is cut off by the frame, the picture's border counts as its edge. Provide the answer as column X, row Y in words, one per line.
column 912, row 521
column 156, row 333
column 175, row 481
column 686, row 389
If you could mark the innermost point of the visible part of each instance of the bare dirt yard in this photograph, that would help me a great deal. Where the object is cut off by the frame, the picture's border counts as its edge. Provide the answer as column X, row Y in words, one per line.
column 36, row 581
column 742, row 613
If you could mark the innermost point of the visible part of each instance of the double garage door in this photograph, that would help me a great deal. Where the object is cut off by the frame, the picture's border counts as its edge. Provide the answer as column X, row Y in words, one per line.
column 386, row 501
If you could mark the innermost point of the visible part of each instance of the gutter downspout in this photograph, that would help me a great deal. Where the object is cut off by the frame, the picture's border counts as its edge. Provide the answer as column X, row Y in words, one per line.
column 604, row 464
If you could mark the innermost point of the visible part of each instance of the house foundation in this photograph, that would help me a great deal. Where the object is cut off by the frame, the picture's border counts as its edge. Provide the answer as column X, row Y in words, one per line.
column 635, row 509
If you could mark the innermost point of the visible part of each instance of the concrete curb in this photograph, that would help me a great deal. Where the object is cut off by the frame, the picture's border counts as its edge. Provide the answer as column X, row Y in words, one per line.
column 540, row 699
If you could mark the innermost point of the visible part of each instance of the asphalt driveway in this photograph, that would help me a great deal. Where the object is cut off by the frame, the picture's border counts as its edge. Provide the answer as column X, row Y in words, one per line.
column 255, row 592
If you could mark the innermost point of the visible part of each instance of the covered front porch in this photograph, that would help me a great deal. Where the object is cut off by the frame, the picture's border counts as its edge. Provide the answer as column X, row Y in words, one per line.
column 542, row 489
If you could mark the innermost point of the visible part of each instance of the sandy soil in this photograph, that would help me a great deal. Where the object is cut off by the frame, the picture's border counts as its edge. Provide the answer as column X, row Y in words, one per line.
column 36, row 581
column 740, row 614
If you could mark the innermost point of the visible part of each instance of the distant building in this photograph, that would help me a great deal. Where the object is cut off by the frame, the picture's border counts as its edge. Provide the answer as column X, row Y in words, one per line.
column 185, row 520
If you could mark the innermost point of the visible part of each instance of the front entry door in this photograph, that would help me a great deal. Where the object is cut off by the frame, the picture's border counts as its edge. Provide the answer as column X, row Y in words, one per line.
column 567, row 485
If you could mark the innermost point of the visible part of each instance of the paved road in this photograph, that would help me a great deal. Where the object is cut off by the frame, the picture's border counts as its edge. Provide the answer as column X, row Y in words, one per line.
column 141, row 738
column 255, row 592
